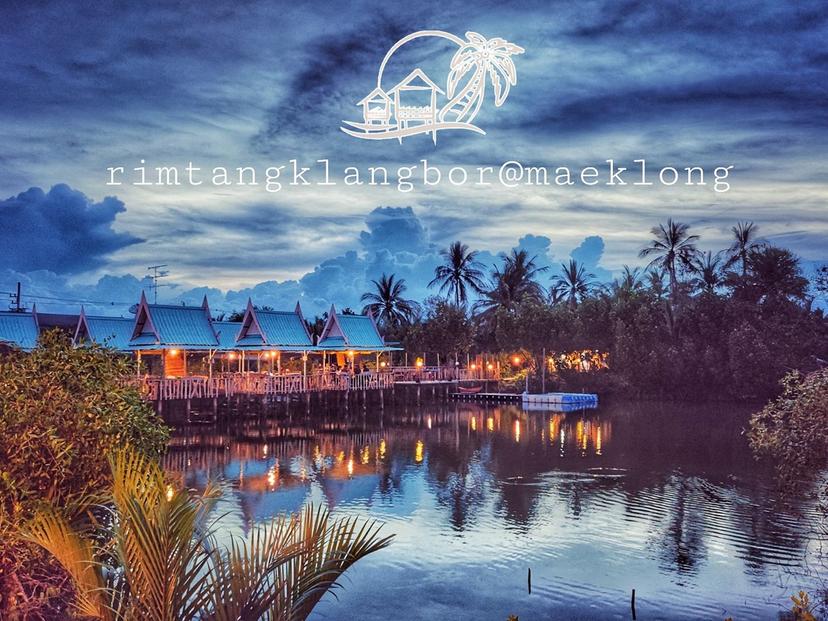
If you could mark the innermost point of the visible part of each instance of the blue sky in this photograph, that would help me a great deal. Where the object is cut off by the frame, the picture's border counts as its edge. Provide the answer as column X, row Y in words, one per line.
column 258, row 83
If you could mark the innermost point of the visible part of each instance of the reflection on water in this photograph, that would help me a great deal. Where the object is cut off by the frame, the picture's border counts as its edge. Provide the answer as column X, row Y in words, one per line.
column 663, row 499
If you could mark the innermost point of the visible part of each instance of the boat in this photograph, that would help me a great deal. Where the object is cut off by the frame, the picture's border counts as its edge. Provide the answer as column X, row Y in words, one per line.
column 469, row 390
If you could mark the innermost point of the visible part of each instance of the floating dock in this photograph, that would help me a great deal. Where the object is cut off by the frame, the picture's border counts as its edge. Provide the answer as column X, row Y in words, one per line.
column 530, row 401
column 556, row 398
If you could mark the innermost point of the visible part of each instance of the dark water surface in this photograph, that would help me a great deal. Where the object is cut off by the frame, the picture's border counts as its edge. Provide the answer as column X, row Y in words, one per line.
column 662, row 498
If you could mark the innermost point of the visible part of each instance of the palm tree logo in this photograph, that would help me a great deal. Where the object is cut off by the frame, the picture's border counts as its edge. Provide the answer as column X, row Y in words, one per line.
column 477, row 62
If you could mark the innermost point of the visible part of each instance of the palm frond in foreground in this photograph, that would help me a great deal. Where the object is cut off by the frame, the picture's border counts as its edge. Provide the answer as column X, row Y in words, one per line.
column 160, row 559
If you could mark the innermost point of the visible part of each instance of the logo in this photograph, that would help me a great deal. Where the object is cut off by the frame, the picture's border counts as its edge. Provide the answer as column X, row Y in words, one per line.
column 417, row 105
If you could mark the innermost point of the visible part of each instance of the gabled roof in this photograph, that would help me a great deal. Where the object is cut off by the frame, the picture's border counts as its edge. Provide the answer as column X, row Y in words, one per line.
column 19, row 329
column 377, row 92
column 406, row 83
column 357, row 332
column 268, row 329
column 185, row 327
column 112, row 332
column 227, row 331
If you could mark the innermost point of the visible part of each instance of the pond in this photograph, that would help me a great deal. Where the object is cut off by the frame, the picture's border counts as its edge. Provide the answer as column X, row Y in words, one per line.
column 662, row 498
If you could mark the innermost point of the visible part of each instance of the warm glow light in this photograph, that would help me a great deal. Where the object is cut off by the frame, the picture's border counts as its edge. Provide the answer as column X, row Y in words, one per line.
column 350, row 354
column 517, row 360
column 598, row 441
column 418, row 451
column 170, row 493
column 473, row 366
column 173, row 352
column 419, row 362
column 473, row 422
column 428, row 422
column 272, row 475
column 490, row 366
column 365, row 456
column 383, row 364
column 264, row 450
column 351, row 467
column 517, row 431
column 382, row 449
column 232, row 355
column 490, row 423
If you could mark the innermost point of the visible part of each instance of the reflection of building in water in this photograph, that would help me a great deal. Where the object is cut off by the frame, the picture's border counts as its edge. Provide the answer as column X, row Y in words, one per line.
column 276, row 466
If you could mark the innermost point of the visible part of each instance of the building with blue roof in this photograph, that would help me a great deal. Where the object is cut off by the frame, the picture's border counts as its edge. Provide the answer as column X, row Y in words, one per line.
column 19, row 330
column 111, row 332
column 269, row 330
column 358, row 333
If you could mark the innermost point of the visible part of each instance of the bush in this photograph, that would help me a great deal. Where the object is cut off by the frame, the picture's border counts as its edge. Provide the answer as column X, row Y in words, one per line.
column 793, row 429
column 63, row 410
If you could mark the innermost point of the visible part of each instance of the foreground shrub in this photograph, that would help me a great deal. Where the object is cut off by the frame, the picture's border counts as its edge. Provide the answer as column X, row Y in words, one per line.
column 62, row 411
column 160, row 559
column 792, row 430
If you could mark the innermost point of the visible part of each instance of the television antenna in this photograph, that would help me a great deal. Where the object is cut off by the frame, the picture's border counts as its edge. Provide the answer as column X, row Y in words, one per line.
column 157, row 274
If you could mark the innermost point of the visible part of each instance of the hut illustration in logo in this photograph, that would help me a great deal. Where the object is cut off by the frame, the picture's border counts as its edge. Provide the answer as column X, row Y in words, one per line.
column 417, row 105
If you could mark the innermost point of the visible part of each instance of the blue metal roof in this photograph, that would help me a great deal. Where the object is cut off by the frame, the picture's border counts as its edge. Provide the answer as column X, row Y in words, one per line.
column 18, row 330
column 227, row 332
column 360, row 332
column 113, row 332
column 333, row 343
column 283, row 329
column 187, row 327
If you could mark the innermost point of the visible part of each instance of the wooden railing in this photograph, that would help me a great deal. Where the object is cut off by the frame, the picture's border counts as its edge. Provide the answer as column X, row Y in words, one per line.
column 442, row 374
column 228, row 385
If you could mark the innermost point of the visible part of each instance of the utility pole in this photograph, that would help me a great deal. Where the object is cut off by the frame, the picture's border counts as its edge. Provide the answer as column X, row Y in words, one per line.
column 157, row 273
column 17, row 297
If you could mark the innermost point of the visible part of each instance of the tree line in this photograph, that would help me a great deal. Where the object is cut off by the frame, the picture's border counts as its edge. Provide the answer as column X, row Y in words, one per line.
column 725, row 324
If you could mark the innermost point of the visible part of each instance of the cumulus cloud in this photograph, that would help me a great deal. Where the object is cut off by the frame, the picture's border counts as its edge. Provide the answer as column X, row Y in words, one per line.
column 589, row 252
column 394, row 241
column 61, row 231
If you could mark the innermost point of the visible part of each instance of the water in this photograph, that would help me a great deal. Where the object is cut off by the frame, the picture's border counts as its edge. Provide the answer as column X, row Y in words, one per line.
column 661, row 498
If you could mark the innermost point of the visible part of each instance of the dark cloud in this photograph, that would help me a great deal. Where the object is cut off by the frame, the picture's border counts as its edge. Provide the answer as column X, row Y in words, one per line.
column 62, row 231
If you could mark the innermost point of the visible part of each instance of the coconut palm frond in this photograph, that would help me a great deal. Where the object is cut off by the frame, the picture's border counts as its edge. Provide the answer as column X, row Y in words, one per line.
column 160, row 540
column 75, row 554
column 330, row 547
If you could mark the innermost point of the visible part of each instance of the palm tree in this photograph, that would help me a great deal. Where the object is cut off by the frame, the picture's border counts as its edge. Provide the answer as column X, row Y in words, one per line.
column 744, row 240
column 775, row 274
column 630, row 283
column 573, row 281
column 161, row 560
column 655, row 283
column 484, row 59
column 707, row 268
column 673, row 248
column 460, row 273
column 512, row 283
column 387, row 302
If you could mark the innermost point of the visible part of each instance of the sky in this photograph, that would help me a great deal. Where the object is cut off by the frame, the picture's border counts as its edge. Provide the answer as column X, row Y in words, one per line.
column 254, row 83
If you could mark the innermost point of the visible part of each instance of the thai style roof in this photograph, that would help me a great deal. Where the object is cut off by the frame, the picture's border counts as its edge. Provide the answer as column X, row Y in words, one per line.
column 112, row 332
column 408, row 83
column 350, row 332
column 270, row 329
column 374, row 94
column 227, row 331
column 19, row 329
column 158, row 326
